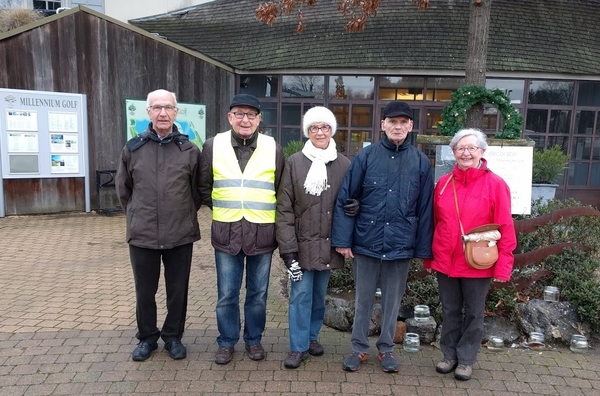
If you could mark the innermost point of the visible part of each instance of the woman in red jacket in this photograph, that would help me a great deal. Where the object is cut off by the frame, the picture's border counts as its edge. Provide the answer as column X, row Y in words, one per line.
column 482, row 197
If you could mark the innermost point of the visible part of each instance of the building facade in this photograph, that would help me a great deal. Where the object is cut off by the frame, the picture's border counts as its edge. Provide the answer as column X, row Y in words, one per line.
column 544, row 55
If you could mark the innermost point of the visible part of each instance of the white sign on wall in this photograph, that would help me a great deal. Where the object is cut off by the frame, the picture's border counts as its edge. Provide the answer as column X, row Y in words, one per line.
column 513, row 164
column 43, row 135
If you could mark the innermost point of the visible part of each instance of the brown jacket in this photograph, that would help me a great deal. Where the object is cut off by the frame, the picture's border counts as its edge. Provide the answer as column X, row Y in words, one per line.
column 231, row 238
column 304, row 220
column 157, row 183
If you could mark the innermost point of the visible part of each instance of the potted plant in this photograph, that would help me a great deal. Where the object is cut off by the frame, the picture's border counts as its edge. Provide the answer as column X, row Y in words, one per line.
column 548, row 165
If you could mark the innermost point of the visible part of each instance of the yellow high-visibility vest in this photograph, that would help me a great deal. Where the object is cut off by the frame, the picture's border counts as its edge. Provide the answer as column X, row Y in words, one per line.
column 251, row 194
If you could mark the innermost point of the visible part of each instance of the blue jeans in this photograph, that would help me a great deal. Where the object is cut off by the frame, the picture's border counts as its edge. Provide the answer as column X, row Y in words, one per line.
column 230, row 270
column 307, row 309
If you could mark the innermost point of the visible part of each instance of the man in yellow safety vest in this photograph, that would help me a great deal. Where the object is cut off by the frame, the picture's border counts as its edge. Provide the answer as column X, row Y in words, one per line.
column 240, row 173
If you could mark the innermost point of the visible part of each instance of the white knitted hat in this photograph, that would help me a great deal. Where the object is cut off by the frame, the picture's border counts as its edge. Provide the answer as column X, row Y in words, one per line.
column 319, row 114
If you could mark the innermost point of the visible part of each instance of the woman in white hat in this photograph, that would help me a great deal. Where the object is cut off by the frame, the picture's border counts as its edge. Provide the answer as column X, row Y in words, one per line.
column 305, row 203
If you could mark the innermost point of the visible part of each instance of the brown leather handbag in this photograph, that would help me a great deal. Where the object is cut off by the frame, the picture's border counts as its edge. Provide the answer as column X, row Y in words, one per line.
column 479, row 244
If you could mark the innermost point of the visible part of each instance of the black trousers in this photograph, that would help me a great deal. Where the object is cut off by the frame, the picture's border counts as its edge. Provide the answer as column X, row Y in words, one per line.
column 146, row 265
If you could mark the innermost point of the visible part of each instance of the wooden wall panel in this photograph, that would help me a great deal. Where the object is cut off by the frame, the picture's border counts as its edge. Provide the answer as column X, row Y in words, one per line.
column 82, row 53
column 37, row 196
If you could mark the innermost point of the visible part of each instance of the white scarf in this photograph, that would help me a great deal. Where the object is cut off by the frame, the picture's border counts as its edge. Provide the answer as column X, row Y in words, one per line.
column 316, row 179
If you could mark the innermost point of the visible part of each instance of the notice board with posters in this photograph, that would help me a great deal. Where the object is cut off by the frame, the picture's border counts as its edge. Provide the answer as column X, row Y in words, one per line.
column 43, row 135
column 190, row 120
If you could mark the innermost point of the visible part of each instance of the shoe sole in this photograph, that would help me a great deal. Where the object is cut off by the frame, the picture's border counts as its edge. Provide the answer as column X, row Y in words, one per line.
column 316, row 353
column 462, row 377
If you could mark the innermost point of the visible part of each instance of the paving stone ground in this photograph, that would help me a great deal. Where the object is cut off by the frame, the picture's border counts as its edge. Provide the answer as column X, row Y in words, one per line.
column 67, row 327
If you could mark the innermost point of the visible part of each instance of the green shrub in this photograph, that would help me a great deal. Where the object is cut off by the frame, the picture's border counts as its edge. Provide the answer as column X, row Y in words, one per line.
column 292, row 147
column 342, row 278
column 548, row 165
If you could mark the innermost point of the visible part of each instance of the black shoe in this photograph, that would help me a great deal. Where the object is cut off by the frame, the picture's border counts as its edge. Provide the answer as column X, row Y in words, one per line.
column 224, row 355
column 143, row 351
column 255, row 351
column 176, row 349
column 295, row 359
column 315, row 348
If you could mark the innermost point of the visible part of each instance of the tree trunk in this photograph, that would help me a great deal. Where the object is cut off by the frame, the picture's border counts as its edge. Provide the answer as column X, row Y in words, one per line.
column 477, row 46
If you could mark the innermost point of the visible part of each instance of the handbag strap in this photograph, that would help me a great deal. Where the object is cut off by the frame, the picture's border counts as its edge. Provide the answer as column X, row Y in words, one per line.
column 462, row 230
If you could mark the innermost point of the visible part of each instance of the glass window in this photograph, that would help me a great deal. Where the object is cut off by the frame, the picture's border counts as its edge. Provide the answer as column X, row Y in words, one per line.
column 578, row 173
column 341, row 114
column 490, row 118
column 46, row 5
column 598, row 124
column 341, row 137
column 268, row 113
column 559, row 121
column 269, row 132
column 357, row 140
column 303, row 87
column 540, row 141
column 536, row 121
column 289, row 134
column 596, row 150
column 441, row 88
column 401, row 88
column 259, row 86
column 433, row 117
column 291, row 114
column 589, row 94
column 362, row 116
column 595, row 177
column 584, row 122
column 582, row 148
column 562, row 141
column 351, row 87
column 512, row 88
column 551, row 92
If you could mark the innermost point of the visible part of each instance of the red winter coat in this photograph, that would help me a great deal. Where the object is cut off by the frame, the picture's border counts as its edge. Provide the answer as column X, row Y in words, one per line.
column 483, row 197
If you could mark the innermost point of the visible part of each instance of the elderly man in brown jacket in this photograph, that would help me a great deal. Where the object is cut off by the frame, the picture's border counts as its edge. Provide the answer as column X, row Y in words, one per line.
column 157, row 184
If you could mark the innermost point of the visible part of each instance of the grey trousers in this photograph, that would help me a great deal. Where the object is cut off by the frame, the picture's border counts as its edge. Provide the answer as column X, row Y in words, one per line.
column 369, row 272
column 463, row 304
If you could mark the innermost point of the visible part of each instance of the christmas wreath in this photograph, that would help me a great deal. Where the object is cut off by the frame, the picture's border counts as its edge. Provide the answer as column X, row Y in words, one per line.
column 455, row 113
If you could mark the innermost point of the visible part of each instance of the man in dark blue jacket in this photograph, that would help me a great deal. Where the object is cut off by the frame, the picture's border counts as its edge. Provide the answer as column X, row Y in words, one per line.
column 393, row 182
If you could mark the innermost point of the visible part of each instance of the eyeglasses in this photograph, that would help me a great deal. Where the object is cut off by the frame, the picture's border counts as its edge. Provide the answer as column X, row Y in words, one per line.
column 316, row 128
column 159, row 108
column 240, row 115
column 471, row 149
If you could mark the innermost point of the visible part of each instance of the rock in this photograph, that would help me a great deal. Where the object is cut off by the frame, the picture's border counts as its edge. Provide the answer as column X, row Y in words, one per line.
column 339, row 312
column 500, row 327
column 425, row 329
column 556, row 320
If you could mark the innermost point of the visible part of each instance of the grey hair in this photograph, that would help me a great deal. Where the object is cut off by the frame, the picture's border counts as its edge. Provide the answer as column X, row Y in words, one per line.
column 160, row 91
column 481, row 138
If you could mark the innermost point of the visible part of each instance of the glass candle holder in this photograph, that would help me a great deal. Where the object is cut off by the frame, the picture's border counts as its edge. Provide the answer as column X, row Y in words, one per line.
column 411, row 342
column 536, row 340
column 579, row 344
column 495, row 343
column 421, row 312
column 551, row 293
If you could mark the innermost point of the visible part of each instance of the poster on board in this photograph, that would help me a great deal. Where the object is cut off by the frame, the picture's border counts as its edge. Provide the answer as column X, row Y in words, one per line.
column 190, row 120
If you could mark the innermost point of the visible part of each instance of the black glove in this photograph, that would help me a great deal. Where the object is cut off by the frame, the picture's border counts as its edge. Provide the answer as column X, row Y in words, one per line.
column 351, row 207
column 291, row 262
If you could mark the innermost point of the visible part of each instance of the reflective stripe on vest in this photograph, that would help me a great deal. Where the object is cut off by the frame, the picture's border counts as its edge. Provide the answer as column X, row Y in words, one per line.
column 251, row 194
